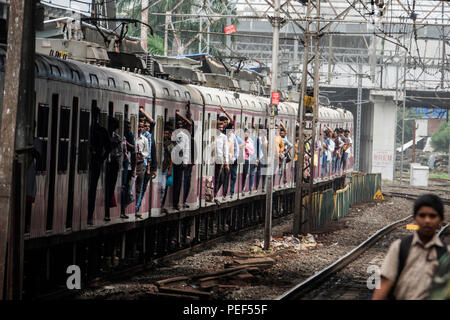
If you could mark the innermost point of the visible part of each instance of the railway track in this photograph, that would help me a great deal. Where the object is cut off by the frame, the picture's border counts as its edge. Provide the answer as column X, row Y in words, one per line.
column 348, row 277
column 409, row 196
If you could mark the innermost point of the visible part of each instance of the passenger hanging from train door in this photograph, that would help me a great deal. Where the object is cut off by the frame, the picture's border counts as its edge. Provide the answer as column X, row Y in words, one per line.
column 151, row 162
column 249, row 160
column 348, row 143
column 325, row 145
column 188, row 126
column 286, row 156
column 129, row 166
column 112, row 165
column 261, row 154
column 181, row 155
column 142, row 155
column 279, row 148
column 409, row 266
column 99, row 147
column 337, row 151
column 221, row 160
column 234, row 145
column 167, row 171
column 226, row 120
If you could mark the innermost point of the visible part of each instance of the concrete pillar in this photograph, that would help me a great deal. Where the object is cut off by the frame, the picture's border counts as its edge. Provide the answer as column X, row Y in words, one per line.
column 383, row 135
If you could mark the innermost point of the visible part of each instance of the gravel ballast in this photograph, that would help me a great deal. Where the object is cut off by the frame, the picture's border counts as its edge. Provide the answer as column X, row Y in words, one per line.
column 291, row 266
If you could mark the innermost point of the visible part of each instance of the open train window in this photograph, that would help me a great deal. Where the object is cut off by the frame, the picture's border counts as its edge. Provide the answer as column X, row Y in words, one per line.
column 110, row 108
column 209, row 97
column 126, row 85
column 141, row 86
column 228, row 100
column 177, row 93
column 75, row 75
column 94, row 79
column 63, row 148
column 159, row 139
column 111, row 82
column 218, row 99
column 126, row 111
column 188, row 95
column 42, row 134
column 55, row 70
column 166, row 92
column 83, row 140
column 133, row 124
column 119, row 116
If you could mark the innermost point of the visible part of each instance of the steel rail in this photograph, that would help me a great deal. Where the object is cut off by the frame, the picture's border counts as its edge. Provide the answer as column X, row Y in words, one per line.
column 410, row 196
column 313, row 281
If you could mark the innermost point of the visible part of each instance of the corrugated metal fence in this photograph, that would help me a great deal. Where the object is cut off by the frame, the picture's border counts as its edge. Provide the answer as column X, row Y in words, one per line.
column 329, row 205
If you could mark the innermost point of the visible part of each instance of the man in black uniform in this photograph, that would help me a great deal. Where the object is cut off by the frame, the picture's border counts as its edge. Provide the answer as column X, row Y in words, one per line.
column 99, row 146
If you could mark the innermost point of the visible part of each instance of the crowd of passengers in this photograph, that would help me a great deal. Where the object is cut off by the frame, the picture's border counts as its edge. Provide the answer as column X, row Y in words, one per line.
column 134, row 157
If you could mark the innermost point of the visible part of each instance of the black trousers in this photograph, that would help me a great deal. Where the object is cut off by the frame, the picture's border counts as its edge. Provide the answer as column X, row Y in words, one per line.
column 219, row 177
column 111, row 173
column 187, row 182
column 94, row 174
column 178, row 172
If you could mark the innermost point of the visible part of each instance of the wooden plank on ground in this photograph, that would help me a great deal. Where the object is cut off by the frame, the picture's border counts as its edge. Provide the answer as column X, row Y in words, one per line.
column 185, row 291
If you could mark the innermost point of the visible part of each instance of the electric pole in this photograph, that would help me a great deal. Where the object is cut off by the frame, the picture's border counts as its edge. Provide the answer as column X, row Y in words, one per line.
column 307, row 119
column 276, row 24
column 144, row 28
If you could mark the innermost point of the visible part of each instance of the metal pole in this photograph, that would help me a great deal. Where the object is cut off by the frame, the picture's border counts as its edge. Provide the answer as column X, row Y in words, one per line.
column 413, row 159
column 396, row 118
column 271, row 156
column 166, row 33
column 144, row 18
column 403, row 117
column 358, row 118
column 200, row 37
column 228, row 37
column 14, row 142
column 443, row 50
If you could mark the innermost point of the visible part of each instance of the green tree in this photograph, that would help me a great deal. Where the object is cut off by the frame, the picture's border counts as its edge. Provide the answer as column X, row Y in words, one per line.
column 410, row 113
column 185, row 27
column 440, row 140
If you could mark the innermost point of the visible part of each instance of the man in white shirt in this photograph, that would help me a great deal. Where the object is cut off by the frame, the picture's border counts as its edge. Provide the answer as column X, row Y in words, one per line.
column 141, row 154
column 221, row 159
column 348, row 142
column 181, row 159
column 330, row 154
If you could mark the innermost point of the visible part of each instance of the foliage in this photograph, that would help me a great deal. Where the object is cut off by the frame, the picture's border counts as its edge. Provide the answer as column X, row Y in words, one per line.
column 183, row 26
column 439, row 176
column 156, row 45
column 441, row 139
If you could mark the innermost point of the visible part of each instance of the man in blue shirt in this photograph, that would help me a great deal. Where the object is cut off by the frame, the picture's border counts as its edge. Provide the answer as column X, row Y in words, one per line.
column 231, row 176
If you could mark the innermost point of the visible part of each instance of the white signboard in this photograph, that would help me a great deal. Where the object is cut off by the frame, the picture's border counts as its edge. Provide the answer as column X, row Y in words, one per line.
column 382, row 158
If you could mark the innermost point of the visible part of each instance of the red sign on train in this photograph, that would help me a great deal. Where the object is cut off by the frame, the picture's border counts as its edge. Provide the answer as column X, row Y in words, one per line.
column 230, row 29
column 275, row 97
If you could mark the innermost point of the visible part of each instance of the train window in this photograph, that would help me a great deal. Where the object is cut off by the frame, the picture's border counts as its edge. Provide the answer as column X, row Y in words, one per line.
column 55, row 70
column 111, row 82
column 126, row 112
column 188, row 95
column 246, row 102
column 119, row 116
column 42, row 124
column 177, row 93
column 42, row 134
column 141, row 86
column 228, row 100
column 75, row 75
column 209, row 97
column 111, row 108
column 63, row 149
column 94, row 79
column 159, row 139
column 218, row 99
column 126, row 85
column 253, row 104
column 103, row 119
column 166, row 92
column 133, row 124
column 83, row 140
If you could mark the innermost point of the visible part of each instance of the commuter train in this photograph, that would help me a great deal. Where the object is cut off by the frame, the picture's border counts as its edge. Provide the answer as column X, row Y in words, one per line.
column 65, row 92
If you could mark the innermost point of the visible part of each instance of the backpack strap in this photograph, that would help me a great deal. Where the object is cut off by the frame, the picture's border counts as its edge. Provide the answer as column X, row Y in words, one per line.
column 440, row 251
column 405, row 245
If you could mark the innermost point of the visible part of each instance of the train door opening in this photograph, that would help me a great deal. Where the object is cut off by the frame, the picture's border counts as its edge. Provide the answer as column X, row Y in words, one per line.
column 73, row 157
